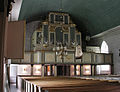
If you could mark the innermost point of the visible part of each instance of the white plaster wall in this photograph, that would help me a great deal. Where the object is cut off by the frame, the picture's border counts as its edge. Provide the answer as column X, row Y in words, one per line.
column 113, row 41
column 30, row 28
column 13, row 73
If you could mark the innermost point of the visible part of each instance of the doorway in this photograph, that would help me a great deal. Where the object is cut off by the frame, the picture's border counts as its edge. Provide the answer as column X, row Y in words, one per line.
column 63, row 70
column 60, row 70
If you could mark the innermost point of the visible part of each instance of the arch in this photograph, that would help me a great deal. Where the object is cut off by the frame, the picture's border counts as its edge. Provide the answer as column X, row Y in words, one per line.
column 104, row 47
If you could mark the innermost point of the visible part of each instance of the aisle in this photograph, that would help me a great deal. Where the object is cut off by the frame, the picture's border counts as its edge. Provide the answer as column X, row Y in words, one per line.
column 13, row 88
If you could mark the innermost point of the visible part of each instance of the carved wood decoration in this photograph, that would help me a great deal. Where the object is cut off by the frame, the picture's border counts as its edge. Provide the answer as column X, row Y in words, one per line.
column 9, row 8
column 69, row 58
column 49, row 57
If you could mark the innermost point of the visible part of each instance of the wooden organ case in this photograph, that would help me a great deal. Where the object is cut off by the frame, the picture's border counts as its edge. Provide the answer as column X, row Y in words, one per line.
column 57, row 29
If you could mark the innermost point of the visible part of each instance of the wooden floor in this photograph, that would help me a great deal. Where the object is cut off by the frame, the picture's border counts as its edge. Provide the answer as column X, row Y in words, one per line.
column 67, row 84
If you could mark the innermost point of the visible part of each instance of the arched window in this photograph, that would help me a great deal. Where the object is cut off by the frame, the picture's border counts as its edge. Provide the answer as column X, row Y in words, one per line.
column 104, row 47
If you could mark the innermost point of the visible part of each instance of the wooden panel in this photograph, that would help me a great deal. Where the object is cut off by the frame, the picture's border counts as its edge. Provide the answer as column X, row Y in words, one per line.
column 86, row 58
column 69, row 58
column 37, row 57
column 27, row 57
column 15, row 40
column 108, row 58
column 49, row 57
column 78, row 60
column 59, row 60
column 99, row 58
column 5, row 42
column 15, row 61
column 94, row 49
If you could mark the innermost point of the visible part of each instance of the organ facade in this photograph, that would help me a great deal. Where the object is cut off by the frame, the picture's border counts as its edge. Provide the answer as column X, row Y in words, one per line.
column 56, row 39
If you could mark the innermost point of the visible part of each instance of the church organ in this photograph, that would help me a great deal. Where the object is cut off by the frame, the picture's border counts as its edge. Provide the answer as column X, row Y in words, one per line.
column 57, row 30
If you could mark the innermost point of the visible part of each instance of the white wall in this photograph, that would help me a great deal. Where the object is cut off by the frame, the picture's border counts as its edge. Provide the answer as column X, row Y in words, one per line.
column 13, row 73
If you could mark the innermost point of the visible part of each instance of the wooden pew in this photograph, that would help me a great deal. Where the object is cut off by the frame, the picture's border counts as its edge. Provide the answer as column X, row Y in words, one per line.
column 64, row 84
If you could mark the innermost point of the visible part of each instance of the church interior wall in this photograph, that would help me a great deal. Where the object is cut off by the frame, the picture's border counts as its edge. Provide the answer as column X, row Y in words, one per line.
column 112, row 38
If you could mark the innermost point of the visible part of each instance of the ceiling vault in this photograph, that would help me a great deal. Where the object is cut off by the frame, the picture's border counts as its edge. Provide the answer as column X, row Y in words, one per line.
column 94, row 16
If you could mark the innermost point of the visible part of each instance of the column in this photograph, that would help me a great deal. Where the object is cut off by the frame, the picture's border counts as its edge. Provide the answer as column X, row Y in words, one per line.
column 68, row 70
column 74, row 70
column 81, row 70
column 55, row 70
column 31, row 69
column 3, row 13
column 93, row 70
column 112, row 68
column 43, row 70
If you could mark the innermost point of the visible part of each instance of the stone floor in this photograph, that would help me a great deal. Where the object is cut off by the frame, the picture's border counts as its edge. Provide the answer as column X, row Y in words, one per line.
column 13, row 88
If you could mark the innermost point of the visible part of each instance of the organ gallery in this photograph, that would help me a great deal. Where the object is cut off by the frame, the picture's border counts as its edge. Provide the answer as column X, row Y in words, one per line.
column 56, row 50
